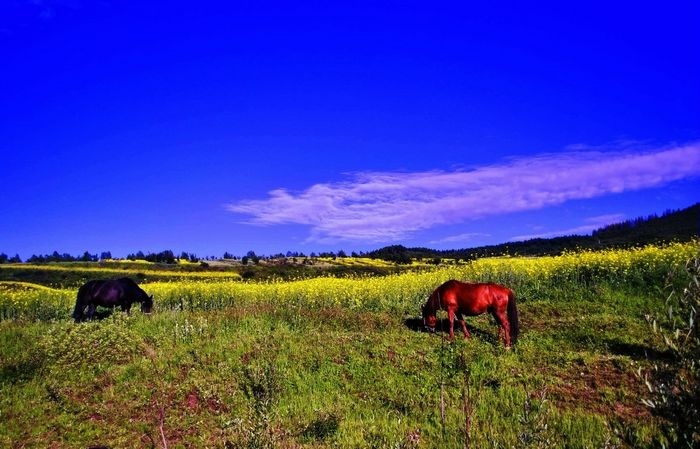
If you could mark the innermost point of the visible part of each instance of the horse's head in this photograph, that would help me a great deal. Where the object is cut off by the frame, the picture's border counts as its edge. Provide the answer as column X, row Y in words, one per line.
column 429, row 318
column 147, row 304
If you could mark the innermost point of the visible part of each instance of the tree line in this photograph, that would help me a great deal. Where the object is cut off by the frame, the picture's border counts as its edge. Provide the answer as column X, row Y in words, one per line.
column 167, row 257
column 672, row 225
column 678, row 225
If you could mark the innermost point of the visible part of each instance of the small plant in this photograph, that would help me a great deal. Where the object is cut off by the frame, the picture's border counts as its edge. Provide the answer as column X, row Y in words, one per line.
column 186, row 331
column 323, row 427
column 675, row 385
column 262, row 385
column 375, row 439
column 534, row 420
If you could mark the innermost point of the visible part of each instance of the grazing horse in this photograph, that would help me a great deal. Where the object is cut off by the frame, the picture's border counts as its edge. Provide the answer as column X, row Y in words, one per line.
column 120, row 292
column 460, row 299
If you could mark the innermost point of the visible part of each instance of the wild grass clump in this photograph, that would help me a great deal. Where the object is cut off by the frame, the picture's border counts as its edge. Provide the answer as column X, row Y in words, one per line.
column 261, row 381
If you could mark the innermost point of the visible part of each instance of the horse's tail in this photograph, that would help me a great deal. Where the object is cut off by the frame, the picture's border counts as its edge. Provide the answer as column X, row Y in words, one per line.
column 513, row 318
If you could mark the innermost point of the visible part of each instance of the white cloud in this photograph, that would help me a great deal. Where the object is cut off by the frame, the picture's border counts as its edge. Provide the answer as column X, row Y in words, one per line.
column 467, row 236
column 386, row 206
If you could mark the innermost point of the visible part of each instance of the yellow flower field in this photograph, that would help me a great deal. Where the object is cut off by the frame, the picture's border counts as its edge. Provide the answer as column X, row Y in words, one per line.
column 531, row 278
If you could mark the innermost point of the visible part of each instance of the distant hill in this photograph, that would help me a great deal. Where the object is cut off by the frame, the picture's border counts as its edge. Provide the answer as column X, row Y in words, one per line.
column 677, row 225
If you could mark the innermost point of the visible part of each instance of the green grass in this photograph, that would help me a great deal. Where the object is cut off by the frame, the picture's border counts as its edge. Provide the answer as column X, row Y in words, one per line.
column 272, row 376
column 330, row 362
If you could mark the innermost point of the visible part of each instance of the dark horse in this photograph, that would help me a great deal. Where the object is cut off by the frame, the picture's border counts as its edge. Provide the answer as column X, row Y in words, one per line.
column 459, row 298
column 119, row 292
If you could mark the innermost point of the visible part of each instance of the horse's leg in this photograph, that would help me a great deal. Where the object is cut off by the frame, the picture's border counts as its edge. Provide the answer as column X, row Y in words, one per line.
column 91, row 311
column 464, row 325
column 451, row 317
column 78, row 312
column 502, row 319
column 499, row 322
column 127, row 308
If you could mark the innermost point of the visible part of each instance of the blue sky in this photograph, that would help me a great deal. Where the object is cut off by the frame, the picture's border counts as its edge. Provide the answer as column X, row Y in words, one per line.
column 212, row 127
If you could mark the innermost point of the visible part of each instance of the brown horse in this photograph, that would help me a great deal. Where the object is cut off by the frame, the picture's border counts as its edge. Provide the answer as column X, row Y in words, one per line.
column 460, row 299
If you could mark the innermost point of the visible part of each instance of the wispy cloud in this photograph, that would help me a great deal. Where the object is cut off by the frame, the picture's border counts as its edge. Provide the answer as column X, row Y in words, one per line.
column 467, row 236
column 390, row 206
column 591, row 225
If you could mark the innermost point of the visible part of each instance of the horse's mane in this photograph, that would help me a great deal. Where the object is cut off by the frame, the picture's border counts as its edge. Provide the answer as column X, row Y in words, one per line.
column 433, row 303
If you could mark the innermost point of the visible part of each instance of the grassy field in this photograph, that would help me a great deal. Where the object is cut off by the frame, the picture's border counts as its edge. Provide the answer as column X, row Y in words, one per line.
column 328, row 362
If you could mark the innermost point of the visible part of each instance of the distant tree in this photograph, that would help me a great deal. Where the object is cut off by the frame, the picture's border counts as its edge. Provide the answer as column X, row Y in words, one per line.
column 104, row 255
column 184, row 256
column 395, row 253
column 244, row 260
column 228, row 255
column 253, row 257
column 15, row 259
column 342, row 254
column 166, row 256
column 87, row 257
column 36, row 259
column 4, row 258
column 354, row 254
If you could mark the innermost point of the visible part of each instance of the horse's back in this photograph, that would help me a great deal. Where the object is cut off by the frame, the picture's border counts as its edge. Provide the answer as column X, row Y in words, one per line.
column 132, row 289
column 87, row 289
column 474, row 298
column 109, row 293
column 127, row 282
column 472, row 288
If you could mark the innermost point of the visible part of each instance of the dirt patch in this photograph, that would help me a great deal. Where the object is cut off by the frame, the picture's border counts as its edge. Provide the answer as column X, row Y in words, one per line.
column 545, row 319
column 321, row 316
column 339, row 317
column 245, row 310
column 192, row 400
column 602, row 387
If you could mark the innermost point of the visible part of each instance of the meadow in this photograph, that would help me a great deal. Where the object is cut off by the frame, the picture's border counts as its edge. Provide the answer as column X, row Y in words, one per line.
column 340, row 361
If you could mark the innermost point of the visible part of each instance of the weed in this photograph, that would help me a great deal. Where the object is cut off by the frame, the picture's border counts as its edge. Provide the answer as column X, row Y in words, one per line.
column 323, row 427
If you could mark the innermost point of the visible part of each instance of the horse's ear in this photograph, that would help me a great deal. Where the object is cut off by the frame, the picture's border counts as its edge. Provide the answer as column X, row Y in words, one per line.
column 151, row 297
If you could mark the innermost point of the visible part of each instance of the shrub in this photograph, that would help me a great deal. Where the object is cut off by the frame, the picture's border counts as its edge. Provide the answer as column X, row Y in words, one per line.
column 675, row 385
